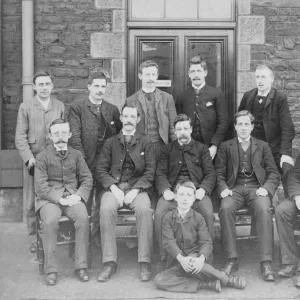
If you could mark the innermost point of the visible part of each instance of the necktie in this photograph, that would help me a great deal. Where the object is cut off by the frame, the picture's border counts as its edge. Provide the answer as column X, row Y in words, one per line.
column 62, row 153
column 261, row 99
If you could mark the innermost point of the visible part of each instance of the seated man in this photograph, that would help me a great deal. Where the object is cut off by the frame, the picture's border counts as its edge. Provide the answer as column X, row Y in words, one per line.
column 286, row 213
column 184, row 159
column 62, row 184
column 126, row 170
column 246, row 175
column 187, row 271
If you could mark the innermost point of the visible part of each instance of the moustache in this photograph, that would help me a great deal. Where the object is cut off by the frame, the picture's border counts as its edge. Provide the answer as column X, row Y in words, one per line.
column 183, row 137
column 62, row 141
column 196, row 78
column 128, row 124
column 150, row 81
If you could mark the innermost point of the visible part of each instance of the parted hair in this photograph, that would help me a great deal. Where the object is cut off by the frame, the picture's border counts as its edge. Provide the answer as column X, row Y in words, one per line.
column 262, row 66
column 96, row 75
column 243, row 113
column 147, row 64
column 131, row 106
column 59, row 121
column 41, row 73
column 197, row 60
column 188, row 184
column 182, row 118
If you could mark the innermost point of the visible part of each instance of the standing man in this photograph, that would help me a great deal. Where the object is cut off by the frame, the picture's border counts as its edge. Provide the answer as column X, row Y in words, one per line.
column 92, row 122
column 34, row 119
column 286, row 213
column 246, row 175
column 206, row 106
column 63, row 183
column 184, row 160
column 126, row 171
column 157, row 108
column 273, row 122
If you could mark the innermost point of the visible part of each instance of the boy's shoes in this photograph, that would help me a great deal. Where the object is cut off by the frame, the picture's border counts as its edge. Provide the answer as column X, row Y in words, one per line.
column 51, row 278
column 288, row 271
column 145, row 271
column 231, row 266
column 212, row 285
column 236, row 282
column 82, row 275
column 267, row 271
column 109, row 270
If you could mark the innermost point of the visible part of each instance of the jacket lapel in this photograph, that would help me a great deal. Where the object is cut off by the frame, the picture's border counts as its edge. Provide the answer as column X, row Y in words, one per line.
column 142, row 100
column 234, row 153
column 270, row 96
column 158, row 97
column 253, row 149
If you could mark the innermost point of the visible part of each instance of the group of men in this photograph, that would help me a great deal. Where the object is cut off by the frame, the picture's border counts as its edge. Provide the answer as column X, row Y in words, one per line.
column 147, row 148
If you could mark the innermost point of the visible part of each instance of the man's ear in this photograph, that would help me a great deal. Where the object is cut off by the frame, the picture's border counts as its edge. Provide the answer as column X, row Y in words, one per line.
column 70, row 134
column 140, row 75
column 138, row 119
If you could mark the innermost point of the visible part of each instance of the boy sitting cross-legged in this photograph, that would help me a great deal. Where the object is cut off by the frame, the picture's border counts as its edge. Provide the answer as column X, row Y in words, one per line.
column 187, row 241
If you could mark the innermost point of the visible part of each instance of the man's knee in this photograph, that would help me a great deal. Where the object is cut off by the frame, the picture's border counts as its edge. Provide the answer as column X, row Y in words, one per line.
column 285, row 210
column 142, row 204
column 163, row 206
column 262, row 206
column 108, row 204
column 227, row 208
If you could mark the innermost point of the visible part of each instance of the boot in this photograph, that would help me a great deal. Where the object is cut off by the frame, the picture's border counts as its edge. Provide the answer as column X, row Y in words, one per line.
column 236, row 282
column 211, row 285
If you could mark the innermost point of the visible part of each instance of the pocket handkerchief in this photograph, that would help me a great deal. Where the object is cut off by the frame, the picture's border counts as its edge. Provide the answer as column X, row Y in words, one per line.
column 209, row 104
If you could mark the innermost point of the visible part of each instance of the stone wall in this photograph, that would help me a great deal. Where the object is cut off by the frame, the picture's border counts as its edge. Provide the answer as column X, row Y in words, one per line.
column 12, row 68
column 268, row 33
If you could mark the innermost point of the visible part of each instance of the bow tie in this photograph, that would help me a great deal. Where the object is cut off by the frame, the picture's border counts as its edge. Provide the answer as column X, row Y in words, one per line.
column 62, row 153
column 262, row 97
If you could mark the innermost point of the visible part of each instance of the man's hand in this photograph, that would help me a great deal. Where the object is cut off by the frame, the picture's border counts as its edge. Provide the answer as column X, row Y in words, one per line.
column 119, row 194
column 198, row 263
column 213, row 151
column 31, row 162
column 63, row 202
column 73, row 199
column 297, row 201
column 226, row 193
column 130, row 196
column 186, row 262
column 286, row 159
column 261, row 192
column 169, row 195
column 200, row 193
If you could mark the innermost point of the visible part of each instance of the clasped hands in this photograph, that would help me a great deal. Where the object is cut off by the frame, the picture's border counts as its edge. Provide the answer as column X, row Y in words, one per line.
column 121, row 197
column 259, row 192
column 70, row 200
column 191, row 264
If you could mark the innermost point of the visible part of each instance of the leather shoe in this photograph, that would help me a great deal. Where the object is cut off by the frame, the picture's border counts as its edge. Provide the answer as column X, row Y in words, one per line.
column 213, row 285
column 33, row 247
column 161, row 266
column 109, row 270
column 236, row 282
column 145, row 271
column 267, row 271
column 82, row 275
column 231, row 266
column 288, row 271
column 51, row 278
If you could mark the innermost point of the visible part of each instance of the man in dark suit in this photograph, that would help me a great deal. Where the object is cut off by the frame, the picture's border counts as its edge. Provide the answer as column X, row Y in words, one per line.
column 246, row 175
column 92, row 122
column 273, row 122
column 157, row 108
column 183, row 159
column 62, row 184
column 206, row 106
column 126, row 171
column 286, row 213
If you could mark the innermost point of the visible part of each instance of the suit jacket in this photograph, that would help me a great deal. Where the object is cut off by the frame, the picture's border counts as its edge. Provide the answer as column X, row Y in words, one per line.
column 263, row 164
column 193, row 231
column 84, row 126
column 33, row 125
column 198, row 162
column 54, row 175
column 109, row 165
column 278, row 124
column 165, row 110
column 293, row 184
column 214, row 118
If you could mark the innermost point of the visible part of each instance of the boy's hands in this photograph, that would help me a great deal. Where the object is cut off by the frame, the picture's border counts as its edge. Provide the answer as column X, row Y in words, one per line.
column 186, row 262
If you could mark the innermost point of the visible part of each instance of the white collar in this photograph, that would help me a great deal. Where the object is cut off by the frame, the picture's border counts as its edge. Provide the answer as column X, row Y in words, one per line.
column 247, row 140
column 94, row 101
column 148, row 92
column 200, row 87
column 131, row 133
column 64, row 148
column 182, row 214
column 44, row 103
column 264, row 94
column 184, row 144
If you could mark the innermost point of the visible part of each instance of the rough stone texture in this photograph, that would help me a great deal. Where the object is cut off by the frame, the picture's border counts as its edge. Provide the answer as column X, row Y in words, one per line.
column 244, row 7
column 244, row 57
column 116, row 94
column 251, row 30
column 106, row 4
column 119, row 21
column 245, row 81
column 11, row 204
column 118, row 70
column 108, row 45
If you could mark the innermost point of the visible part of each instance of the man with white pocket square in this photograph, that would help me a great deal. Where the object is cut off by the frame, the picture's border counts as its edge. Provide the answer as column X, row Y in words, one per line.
column 206, row 106
column 126, row 171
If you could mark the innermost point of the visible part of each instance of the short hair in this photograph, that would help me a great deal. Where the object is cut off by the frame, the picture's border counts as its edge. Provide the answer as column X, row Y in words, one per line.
column 265, row 67
column 182, row 118
column 41, row 73
column 243, row 113
column 59, row 121
column 147, row 64
column 96, row 75
column 130, row 105
column 188, row 184
column 197, row 60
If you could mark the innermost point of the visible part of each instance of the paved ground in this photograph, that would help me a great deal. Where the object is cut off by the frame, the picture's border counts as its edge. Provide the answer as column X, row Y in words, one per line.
column 20, row 279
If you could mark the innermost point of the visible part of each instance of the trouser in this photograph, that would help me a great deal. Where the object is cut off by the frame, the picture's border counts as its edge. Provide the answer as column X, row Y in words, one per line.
column 203, row 207
column 177, row 280
column 144, row 223
column 285, row 214
column 29, row 199
column 243, row 193
column 50, row 215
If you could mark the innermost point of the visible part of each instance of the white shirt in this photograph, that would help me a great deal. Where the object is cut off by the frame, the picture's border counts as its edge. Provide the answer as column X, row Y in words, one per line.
column 44, row 103
column 264, row 94
column 247, row 139
column 64, row 148
column 131, row 133
column 97, row 103
column 198, row 87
